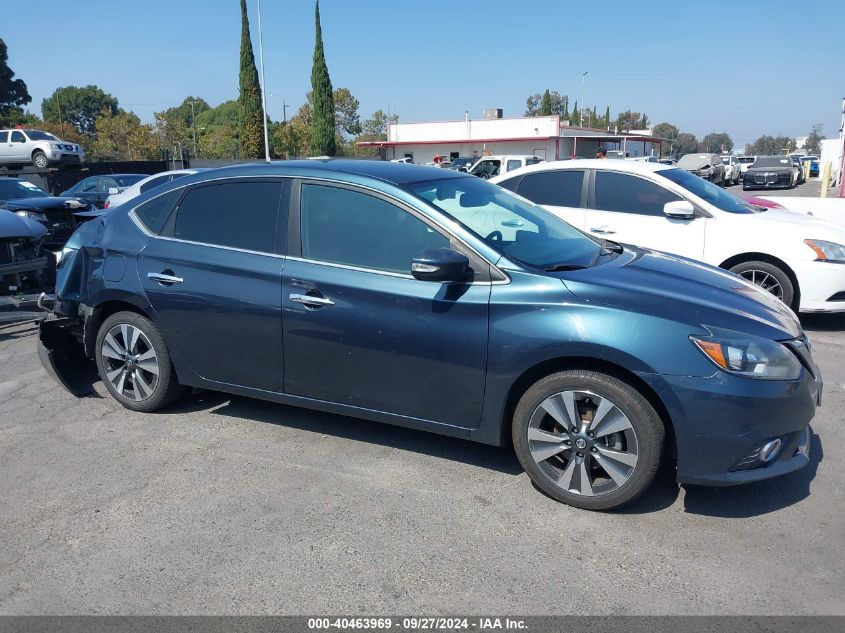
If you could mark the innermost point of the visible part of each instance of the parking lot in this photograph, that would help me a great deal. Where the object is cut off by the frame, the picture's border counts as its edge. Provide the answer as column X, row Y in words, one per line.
column 227, row 505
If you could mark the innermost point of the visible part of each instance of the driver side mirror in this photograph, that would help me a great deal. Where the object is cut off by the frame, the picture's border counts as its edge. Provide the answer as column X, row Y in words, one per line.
column 440, row 264
column 113, row 191
column 679, row 210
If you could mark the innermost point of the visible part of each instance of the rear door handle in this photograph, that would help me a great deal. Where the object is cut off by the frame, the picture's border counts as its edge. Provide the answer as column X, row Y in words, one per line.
column 311, row 301
column 602, row 229
column 164, row 279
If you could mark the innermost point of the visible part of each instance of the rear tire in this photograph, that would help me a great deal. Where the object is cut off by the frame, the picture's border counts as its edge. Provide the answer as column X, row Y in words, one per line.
column 770, row 278
column 607, row 458
column 39, row 159
column 134, row 363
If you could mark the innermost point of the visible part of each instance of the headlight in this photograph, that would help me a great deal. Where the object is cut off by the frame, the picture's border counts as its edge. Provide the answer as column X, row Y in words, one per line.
column 768, row 360
column 827, row 251
column 55, row 146
column 32, row 215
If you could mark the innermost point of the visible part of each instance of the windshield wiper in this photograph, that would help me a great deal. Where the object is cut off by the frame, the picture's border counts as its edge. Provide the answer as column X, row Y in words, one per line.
column 559, row 267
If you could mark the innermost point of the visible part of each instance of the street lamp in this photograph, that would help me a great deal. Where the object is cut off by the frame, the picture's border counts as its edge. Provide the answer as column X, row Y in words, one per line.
column 194, row 128
column 285, row 107
column 263, row 85
column 583, row 105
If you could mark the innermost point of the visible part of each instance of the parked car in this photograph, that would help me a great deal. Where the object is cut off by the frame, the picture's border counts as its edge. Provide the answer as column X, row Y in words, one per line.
column 490, row 166
column 20, row 147
column 801, row 178
column 23, row 263
column 770, row 172
column 814, row 164
column 667, row 161
column 400, row 282
column 668, row 209
column 708, row 166
column 463, row 163
column 119, row 196
column 744, row 163
column 58, row 215
column 733, row 172
column 96, row 189
column 644, row 159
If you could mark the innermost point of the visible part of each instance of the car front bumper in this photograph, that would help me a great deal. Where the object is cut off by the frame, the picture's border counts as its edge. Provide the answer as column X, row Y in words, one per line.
column 721, row 422
column 64, row 156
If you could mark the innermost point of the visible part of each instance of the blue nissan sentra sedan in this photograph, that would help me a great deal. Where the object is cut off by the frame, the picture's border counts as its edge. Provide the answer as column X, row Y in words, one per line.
column 432, row 299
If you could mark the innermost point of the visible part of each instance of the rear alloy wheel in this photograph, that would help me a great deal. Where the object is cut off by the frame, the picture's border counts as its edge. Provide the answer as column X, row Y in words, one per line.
column 588, row 439
column 134, row 363
column 770, row 278
column 39, row 159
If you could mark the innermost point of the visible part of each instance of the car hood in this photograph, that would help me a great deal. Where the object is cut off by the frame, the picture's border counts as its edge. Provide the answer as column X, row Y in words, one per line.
column 802, row 225
column 679, row 289
column 49, row 203
column 12, row 225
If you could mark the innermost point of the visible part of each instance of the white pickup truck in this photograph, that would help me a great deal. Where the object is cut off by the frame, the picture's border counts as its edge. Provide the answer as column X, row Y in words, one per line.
column 489, row 166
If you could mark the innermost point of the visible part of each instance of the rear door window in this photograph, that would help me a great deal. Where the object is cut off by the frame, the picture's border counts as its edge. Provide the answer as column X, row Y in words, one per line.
column 630, row 194
column 240, row 214
column 554, row 188
column 514, row 164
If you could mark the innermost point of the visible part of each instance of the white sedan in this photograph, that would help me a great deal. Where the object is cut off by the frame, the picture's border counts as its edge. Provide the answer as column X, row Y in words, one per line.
column 117, row 197
column 799, row 259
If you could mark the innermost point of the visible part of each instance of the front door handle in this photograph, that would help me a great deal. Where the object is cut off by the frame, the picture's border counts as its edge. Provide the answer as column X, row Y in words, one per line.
column 164, row 279
column 602, row 229
column 311, row 301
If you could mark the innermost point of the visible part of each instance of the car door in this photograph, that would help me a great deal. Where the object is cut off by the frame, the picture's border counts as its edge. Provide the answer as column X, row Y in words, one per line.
column 360, row 330
column 563, row 192
column 213, row 277
column 628, row 208
column 18, row 146
column 5, row 146
column 86, row 189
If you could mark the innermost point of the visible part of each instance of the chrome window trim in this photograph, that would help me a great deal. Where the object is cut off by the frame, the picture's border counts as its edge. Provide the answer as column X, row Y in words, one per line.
column 220, row 246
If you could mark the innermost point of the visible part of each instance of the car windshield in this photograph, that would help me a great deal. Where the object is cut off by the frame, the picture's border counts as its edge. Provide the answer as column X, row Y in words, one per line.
column 513, row 226
column 746, row 159
column 706, row 190
column 773, row 161
column 17, row 189
column 726, row 161
column 38, row 135
column 129, row 180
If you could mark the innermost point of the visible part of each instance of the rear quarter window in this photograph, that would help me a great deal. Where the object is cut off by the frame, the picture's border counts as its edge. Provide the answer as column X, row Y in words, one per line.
column 154, row 213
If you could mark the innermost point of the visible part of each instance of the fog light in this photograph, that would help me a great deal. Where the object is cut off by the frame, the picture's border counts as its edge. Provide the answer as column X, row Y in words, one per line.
column 770, row 450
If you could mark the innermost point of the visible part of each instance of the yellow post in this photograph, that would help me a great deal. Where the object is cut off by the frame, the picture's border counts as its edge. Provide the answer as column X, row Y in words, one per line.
column 825, row 179
column 806, row 164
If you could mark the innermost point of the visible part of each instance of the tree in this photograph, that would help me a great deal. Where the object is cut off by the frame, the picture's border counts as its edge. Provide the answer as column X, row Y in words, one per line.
column 546, row 104
column 813, row 144
column 559, row 104
column 686, row 143
column 323, row 139
column 717, row 142
column 576, row 115
column 768, row 145
column 13, row 92
column 627, row 121
column 347, row 119
column 606, row 118
column 122, row 136
column 78, row 107
column 667, row 131
column 250, row 112
column 218, row 141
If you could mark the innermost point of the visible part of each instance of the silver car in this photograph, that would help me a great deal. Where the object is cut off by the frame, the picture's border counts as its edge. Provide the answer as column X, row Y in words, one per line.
column 41, row 149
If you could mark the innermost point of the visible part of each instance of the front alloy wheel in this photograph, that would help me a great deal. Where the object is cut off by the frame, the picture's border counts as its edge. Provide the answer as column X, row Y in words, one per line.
column 588, row 439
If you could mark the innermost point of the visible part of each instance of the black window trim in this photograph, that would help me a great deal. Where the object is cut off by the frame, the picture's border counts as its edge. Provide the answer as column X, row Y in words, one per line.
column 485, row 271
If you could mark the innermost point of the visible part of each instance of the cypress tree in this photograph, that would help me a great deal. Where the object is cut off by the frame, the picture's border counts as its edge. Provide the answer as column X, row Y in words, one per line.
column 546, row 104
column 323, row 141
column 607, row 117
column 250, row 115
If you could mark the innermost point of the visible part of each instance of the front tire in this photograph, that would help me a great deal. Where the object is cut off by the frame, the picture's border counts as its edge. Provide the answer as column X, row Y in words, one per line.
column 770, row 278
column 39, row 159
column 588, row 439
column 134, row 363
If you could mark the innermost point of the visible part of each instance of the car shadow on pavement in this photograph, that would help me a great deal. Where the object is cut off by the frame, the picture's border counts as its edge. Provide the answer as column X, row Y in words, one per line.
column 750, row 500
column 454, row 449
column 823, row 322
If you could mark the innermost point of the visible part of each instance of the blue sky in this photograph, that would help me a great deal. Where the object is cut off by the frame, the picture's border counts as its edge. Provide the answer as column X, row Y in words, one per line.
column 433, row 60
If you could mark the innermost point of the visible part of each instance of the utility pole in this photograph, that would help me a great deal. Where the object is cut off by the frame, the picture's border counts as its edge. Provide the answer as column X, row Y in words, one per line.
column 59, row 106
column 194, row 128
column 263, row 85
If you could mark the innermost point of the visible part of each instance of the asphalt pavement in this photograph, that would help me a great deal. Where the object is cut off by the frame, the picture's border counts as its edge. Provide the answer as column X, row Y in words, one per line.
column 224, row 505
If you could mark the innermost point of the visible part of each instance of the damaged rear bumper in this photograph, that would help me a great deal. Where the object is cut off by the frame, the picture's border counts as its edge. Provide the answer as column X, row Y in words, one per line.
column 62, row 355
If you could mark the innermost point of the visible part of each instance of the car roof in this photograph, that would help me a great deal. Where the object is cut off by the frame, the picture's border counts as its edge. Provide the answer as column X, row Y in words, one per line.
column 386, row 171
column 628, row 166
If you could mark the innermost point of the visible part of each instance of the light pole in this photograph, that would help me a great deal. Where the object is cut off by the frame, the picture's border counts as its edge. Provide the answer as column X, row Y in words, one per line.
column 285, row 107
column 583, row 105
column 263, row 85
column 59, row 106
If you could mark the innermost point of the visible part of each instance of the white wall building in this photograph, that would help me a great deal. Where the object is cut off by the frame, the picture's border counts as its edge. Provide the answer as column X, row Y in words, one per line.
column 543, row 136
